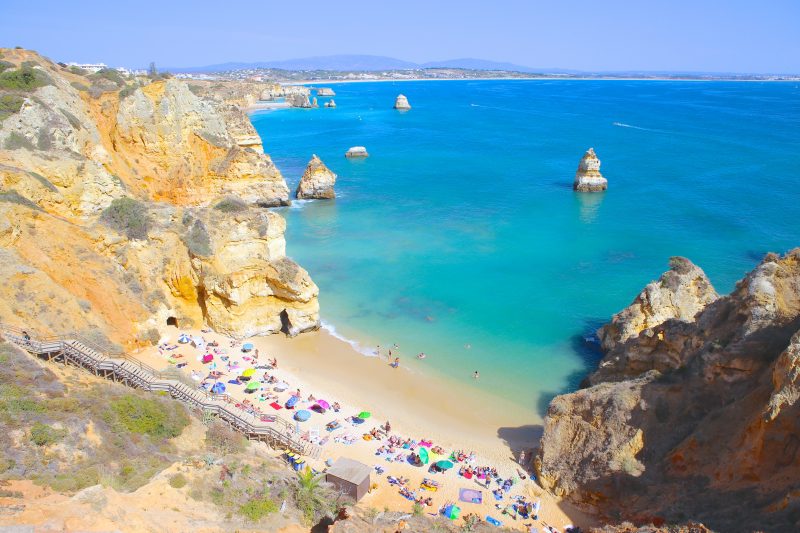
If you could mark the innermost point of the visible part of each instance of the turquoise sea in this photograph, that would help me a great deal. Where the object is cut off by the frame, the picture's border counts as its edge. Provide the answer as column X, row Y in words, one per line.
column 460, row 235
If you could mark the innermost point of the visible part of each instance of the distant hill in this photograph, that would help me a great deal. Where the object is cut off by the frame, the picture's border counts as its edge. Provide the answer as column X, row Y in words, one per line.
column 354, row 62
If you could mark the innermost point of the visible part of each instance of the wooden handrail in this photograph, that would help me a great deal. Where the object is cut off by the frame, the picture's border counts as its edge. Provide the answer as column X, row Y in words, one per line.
column 223, row 405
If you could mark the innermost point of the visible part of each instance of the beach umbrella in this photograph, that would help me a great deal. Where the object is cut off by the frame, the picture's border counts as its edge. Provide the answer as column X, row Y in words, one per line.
column 445, row 465
column 218, row 388
column 252, row 386
column 184, row 338
column 451, row 511
column 363, row 415
column 249, row 372
column 246, row 347
column 423, row 455
column 302, row 415
column 290, row 403
column 323, row 404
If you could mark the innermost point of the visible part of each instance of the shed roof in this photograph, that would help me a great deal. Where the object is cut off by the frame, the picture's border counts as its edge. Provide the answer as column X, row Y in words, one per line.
column 350, row 470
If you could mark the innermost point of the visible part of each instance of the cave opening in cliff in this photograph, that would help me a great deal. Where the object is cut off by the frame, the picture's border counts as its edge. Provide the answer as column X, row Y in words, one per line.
column 172, row 321
column 286, row 324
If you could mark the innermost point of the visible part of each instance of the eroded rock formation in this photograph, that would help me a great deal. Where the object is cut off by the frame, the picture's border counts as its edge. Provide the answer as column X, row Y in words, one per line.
column 317, row 181
column 703, row 417
column 588, row 177
column 189, row 176
column 401, row 103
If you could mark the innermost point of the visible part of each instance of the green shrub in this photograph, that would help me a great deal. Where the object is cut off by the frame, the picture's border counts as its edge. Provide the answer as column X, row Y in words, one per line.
column 16, row 141
column 80, row 86
column 78, row 70
column 146, row 416
column 197, row 240
column 15, row 400
column 224, row 440
column 24, row 78
column 178, row 481
column 109, row 74
column 258, row 508
column 128, row 217
column 231, row 204
column 44, row 435
column 10, row 104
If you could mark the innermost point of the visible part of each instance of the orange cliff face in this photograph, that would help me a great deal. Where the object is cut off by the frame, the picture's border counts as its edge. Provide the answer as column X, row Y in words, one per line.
column 695, row 409
column 80, row 141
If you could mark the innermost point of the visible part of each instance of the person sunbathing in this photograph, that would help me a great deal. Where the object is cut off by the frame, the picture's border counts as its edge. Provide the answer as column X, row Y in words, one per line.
column 336, row 407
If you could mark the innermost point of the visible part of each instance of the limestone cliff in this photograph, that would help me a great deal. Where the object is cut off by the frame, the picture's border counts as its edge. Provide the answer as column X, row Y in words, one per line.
column 317, row 181
column 710, row 417
column 588, row 177
column 678, row 295
column 121, row 200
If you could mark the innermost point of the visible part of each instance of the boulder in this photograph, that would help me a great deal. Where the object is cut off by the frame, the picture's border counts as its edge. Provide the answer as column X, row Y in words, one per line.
column 330, row 103
column 588, row 177
column 401, row 103
column 317, row 181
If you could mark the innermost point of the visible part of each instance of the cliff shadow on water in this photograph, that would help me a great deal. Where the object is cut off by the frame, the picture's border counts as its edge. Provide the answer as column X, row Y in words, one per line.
column 586, row 346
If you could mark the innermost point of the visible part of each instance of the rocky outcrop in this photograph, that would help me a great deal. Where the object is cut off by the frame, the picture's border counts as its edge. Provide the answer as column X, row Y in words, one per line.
column 298, row 100
column 189, row 165
column 678, row 295
column 245, row 281
column 356, row 152
column 330, row 103
column 325, row 91
column 718, row 425
column 588, row 177
column 317, row 181
column 401, row 103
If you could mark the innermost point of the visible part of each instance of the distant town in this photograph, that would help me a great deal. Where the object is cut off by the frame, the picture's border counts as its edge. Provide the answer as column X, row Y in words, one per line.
column 430, row 73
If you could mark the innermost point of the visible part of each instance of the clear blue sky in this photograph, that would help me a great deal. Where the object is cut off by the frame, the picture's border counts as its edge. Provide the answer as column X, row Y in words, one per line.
column 685, row 35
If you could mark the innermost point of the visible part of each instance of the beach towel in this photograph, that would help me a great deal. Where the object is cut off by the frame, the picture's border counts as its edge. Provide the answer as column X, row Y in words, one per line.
column 276, row 406
column 233, row 382
column 493, row 521
column 470, row 496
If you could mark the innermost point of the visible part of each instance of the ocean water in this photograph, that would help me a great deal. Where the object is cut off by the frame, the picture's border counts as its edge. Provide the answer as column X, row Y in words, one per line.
column 460, row 235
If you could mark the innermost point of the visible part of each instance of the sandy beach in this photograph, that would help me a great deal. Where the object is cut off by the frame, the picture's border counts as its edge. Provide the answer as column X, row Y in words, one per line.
column 418, row 406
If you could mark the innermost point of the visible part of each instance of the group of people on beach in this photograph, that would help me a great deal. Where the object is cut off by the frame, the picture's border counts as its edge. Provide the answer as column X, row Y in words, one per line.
column 390, row 447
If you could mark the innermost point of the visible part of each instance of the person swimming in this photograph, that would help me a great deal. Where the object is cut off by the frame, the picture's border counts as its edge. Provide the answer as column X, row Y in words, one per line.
column 421, row 355
column 476, row 375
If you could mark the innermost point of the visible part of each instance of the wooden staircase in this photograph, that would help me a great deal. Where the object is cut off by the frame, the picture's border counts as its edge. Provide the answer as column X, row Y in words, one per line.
column 274, row 430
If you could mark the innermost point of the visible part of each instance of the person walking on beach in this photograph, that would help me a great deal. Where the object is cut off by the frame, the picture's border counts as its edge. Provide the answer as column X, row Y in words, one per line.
column 476, row 375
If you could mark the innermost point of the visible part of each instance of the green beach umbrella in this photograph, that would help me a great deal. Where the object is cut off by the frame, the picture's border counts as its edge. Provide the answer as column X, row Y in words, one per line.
column 249, row 373
column 253, row 386
column 451, row 512
column 364, row 414
column 423, row 455
column 445, row 465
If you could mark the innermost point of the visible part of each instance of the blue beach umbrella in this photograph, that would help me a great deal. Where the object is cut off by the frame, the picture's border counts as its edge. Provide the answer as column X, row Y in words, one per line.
column 302, row 415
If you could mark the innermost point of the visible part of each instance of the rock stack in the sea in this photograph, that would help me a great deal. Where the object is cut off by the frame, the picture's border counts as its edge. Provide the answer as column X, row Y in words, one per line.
column 401, row 103
column 298, row 100
column 317, row 181
column 588, row 177
column 330, row 103
column 314, row 102
column 356, row 151
column 325, row 91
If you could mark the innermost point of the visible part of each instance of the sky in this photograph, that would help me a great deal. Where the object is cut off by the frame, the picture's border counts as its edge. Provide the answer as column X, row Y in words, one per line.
column 642, row 35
